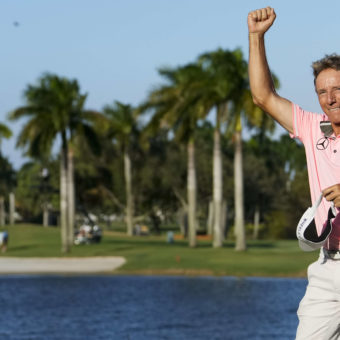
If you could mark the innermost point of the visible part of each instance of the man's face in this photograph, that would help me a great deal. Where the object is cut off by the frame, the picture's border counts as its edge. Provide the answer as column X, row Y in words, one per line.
column 327, row 87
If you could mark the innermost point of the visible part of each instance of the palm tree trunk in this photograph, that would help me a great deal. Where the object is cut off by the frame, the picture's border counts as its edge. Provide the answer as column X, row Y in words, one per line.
column 63, row 202
column 238, row 178
column 210, row 220
column 70, row 197
column 191, row 185
column 217, row 189
column 11, row 208
column 224, row 213
column 256, row 222
column 45, row 214
column 45, row 204
column 182, row 221
column 129, row 195
column 2, row 211
column 182, row 214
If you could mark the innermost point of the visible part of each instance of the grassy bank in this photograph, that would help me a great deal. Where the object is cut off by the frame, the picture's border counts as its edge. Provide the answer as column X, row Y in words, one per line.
column 153, row 255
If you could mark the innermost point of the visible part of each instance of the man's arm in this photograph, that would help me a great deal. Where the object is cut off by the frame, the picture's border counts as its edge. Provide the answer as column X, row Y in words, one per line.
column 261, row 82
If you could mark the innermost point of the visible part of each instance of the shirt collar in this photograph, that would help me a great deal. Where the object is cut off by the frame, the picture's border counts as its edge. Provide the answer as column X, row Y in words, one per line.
column 326, row 128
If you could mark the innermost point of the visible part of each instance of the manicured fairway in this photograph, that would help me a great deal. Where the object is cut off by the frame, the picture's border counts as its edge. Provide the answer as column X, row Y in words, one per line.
column 153, row 255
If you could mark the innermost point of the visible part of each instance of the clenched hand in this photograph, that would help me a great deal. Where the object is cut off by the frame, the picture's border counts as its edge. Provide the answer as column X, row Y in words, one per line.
column 260, row 20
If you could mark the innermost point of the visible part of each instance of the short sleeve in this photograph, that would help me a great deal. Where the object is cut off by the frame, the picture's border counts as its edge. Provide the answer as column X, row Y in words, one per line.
column 303, row 122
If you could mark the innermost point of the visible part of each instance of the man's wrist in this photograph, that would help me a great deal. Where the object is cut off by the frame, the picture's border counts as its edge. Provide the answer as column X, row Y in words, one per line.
column 256, row 34
column 256, row 38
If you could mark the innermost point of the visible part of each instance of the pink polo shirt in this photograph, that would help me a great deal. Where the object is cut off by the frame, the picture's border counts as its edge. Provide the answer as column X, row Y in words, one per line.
column 323, row 163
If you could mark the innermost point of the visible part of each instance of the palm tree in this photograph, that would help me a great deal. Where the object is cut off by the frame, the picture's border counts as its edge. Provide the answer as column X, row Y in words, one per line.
column 5, row 132
column 243, row 108
column 55, row 108
column 214, row 82
column 176, row 106
column 225, row 87
column 123, row 128
column 218, row 80
column 223, row 83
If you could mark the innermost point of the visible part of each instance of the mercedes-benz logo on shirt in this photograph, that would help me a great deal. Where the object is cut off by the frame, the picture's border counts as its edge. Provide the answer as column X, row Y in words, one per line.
column 322, row 143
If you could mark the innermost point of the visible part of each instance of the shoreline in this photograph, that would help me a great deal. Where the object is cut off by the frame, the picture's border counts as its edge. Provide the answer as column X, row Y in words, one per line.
column 111, row 265
column 202, row 273
column 55, row 265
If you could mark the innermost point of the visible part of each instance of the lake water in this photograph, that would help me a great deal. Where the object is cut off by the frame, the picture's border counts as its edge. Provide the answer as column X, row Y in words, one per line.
column 137, row 307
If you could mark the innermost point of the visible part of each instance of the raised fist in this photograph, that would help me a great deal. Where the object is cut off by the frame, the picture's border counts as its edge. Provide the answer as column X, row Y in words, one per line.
column 260, row 20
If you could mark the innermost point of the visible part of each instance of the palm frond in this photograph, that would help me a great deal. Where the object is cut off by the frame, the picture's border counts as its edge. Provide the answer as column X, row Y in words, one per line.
column 54, row 105
column 5, row 131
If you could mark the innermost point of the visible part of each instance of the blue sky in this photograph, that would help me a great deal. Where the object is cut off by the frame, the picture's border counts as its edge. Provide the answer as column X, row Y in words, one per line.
column 114, row 47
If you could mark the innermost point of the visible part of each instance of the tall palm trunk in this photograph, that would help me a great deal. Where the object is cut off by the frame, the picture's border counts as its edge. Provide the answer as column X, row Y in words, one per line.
column 11, row 208
column 65, row 248
column 256, row 222
column 2, row 211
column 217, row 185
column 192, row 192
column 45, row 214
column 129, row 195
column 70, row 197
column 210, row 220
column 238, row 178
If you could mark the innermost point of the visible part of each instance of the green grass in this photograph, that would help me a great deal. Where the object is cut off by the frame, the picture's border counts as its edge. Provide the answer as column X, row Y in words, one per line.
column 152, row 255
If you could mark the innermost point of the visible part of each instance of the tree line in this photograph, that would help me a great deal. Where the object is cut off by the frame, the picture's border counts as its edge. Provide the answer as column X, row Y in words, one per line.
column 163, row 161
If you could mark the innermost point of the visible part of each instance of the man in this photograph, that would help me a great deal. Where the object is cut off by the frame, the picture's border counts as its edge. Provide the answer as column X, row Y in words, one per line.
column 319, row 310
